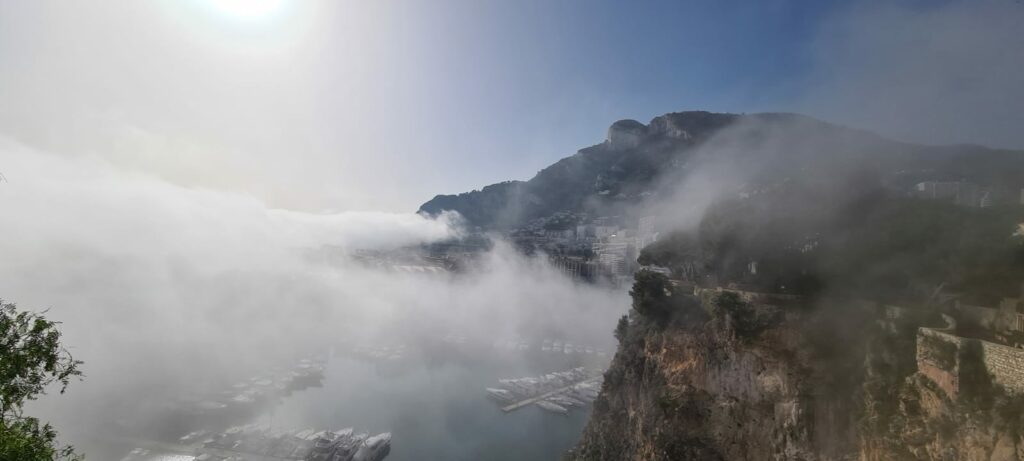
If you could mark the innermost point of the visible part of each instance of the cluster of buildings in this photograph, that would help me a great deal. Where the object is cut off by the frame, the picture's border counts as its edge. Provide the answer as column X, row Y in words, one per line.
column 555, row 392
column 965, row 193
column 606, row 248
column 959, row 192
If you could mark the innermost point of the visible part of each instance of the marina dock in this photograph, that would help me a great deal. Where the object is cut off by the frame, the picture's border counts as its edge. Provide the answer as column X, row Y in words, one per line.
column 561, row 390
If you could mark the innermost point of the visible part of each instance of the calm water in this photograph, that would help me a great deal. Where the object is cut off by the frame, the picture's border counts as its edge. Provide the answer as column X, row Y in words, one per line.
column 437, row 411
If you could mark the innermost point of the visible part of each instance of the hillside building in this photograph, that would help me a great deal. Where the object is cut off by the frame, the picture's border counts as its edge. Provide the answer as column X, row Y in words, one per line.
column 959, row 192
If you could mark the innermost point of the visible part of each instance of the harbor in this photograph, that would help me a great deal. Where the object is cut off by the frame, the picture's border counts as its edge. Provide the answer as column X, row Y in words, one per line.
column 378, row 389
column 555, row 392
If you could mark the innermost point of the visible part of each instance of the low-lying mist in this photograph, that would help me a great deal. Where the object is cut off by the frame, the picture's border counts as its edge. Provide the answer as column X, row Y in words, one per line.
column 165, row 291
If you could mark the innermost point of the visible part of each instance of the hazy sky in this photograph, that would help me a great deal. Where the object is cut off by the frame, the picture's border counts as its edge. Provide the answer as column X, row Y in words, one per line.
column 170, row 164
column 348, row 105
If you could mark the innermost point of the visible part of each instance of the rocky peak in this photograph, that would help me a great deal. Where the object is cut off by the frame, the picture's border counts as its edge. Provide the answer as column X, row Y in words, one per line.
column 668, row 126
column 625, row 134
column 689, row 124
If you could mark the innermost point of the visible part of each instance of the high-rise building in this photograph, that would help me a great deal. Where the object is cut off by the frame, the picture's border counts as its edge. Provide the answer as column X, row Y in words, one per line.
column 960, row 192
column 647, row 225
column 647, row 231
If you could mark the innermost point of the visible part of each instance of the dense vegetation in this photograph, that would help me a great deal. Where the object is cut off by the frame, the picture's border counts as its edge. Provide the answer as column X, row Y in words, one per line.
column 875, row 245
column 745, row 319
column 31, row 359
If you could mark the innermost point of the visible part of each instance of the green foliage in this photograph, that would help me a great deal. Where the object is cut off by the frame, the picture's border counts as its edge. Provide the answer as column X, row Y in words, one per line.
column 652, row 295
column 746, row 321
column 31, row 358
column 561, row 221
column 622, row 328
column 873, row 243
column 903, row 241
column 23, row 439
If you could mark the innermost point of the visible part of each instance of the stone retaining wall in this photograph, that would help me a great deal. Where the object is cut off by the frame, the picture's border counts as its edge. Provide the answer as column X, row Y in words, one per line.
column 1004, row 363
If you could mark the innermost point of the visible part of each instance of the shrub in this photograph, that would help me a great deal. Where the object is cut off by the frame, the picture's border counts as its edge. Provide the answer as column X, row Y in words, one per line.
column 746, row 321
column 31, row 359
column 622, row 328
column 652, row 295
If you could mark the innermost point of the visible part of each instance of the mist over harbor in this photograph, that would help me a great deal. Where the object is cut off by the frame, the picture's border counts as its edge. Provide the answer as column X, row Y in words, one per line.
column 270, row 229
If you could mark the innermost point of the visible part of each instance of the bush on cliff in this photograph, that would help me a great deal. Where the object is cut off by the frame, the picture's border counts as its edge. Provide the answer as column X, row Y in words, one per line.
column 622, row 328
column 745, row 319
column 31, row 360
column 652, row 296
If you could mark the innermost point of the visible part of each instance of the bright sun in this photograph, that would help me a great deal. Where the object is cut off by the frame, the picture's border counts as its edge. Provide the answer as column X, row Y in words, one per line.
column 248, row 9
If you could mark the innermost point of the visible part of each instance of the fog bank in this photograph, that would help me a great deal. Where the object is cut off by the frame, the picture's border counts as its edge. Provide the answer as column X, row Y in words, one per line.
column 165, row 291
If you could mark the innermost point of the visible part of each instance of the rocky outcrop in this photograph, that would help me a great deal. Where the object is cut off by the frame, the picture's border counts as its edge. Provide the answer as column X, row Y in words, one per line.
column 625, row 134
column 822, row 381
column 927, row 425
column 707, row 391
column 936, row 414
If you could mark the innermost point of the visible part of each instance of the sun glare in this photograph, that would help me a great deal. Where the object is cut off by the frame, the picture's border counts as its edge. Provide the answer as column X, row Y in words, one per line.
column 248, row 9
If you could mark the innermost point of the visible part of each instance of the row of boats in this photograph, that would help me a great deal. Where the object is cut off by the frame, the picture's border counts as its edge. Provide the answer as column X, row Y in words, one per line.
column 547, row 345
column 256, row 442
column 560, row 390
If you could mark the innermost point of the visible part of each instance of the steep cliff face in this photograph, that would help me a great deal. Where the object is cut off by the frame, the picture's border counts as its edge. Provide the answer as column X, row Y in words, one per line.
column 922, row 414
column 927, row 425
column 734, row 376
column 721, row 389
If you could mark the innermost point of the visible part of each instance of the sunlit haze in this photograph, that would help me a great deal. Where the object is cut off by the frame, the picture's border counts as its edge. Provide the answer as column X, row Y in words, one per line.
column 248, row 9
column 502, row 230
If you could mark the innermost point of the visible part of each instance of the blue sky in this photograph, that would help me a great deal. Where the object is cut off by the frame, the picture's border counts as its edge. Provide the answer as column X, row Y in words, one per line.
column 549, row 77
column 344, row 105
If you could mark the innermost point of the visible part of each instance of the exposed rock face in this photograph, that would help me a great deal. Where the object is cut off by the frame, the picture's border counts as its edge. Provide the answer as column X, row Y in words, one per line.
column 625, row 134
column 669, row 126
column 927, row 425
column 702, row 392
column 918, row 417
column 809, row 386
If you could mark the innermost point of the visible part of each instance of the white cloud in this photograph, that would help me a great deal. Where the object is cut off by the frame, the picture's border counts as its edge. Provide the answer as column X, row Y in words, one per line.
column 177, row 287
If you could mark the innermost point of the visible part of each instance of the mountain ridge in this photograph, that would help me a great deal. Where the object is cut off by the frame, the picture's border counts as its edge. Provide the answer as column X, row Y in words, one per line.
column 636, row 161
